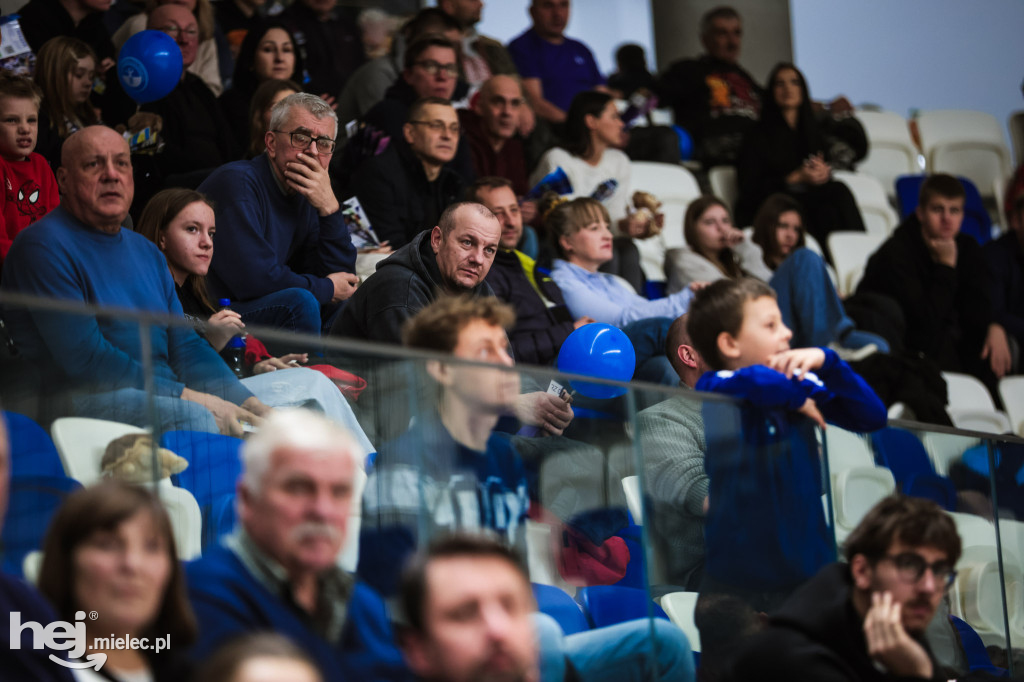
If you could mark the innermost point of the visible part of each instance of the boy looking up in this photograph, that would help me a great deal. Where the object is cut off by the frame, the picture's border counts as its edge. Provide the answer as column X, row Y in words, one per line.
column 765, row 531
column 29, row 189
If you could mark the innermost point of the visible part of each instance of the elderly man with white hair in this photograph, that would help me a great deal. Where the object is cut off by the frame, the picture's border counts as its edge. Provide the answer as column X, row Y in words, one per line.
column 279, row 570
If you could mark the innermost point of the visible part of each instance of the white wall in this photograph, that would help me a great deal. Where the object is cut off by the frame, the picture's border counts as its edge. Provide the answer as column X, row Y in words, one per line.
column 905, row 54
column 602, row 24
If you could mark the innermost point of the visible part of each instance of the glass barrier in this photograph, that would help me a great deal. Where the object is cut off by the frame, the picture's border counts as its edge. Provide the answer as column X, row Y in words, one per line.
column 649, row 496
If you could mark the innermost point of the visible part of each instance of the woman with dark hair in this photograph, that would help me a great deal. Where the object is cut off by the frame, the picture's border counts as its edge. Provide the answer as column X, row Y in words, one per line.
column 807, row 299
column 268, row 52
column 110, row 553
column 596, row 168
column 786, row 152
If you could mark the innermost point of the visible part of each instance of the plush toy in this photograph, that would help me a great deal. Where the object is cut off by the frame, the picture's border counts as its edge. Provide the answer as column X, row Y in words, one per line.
column 647, row 207
column 130, row 458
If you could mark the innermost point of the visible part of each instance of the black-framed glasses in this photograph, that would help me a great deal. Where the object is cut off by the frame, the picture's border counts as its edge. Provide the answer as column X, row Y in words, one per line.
column 911, row 567
column 174, row 31
column 433, row 68
column 437, row 126
column 324, row 145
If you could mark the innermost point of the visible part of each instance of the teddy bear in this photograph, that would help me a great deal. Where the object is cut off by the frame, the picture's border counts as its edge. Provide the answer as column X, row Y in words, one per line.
column 130, row 458
column 651, row 221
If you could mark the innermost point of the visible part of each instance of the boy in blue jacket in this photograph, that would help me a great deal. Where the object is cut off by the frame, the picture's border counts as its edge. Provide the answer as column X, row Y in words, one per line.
column 766, row 531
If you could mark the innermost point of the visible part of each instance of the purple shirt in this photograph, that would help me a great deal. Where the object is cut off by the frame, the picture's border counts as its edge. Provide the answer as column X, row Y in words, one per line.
column 564, row 70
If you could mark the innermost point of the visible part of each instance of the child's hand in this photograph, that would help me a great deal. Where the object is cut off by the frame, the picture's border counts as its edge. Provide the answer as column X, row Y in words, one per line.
column 810, row 409
column 799, row 359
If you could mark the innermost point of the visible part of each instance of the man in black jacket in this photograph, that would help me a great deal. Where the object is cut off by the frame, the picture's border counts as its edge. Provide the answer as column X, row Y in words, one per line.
column 454, row 257
column 865, row 620
column 937, row 276
column 405, row 189
column 542, row 319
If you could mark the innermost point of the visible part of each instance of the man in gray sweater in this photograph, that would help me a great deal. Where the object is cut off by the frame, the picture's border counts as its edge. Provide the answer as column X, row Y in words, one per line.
column 671, row 434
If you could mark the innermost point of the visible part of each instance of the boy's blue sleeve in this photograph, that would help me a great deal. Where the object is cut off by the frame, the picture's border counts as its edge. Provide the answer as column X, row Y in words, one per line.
column 853, row 405
column 762, row 386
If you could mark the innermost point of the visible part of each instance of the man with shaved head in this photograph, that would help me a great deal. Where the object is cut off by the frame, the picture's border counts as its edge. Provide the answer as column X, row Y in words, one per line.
column 454, row 257
column 80, row 253
column 490, row 128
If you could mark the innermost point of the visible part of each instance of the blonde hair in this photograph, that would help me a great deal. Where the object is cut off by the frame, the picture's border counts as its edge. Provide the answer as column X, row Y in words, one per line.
column 565, row 218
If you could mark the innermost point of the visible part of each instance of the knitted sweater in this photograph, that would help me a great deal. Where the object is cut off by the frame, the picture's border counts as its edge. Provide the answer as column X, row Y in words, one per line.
column 671, row 435
column 62, row 258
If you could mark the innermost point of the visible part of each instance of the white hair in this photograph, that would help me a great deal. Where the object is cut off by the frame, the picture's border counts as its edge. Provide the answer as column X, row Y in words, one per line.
column 311, row 103
column 292, row 428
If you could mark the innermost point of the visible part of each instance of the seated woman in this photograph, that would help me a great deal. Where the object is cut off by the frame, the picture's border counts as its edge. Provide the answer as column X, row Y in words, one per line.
column 181, row 223
column 580, row 233
column 268, row 52
column 110, row 551
column 785, row 152
column 714, row 250
column 596, row 168
column 807, row 299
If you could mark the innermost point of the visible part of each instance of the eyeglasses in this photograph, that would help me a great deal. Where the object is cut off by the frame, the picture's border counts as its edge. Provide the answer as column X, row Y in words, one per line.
column 911, row 567
column 433, row 68
column 324, row 145
column 438, row 126
column 173, row 31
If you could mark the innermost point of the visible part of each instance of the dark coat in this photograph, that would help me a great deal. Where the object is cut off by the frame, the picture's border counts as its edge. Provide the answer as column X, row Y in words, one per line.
column 539, row 330
column 816, row 635
column 398, row 199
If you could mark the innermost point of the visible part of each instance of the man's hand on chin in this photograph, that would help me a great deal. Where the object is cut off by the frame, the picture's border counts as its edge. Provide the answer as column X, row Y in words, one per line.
column 307, row 177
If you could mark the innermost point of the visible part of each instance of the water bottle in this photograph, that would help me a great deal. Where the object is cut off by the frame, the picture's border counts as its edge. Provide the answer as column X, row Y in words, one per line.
column 234, row 352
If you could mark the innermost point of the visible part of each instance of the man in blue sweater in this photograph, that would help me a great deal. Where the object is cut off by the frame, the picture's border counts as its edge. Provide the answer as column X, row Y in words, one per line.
column 80, row 253
column 284, row 256
column 279, row 570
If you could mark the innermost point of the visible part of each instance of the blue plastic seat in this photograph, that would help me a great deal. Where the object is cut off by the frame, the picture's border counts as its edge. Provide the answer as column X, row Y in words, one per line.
column 213, row 469
column 556, row 603
column 612, row 604
column 32, row 450
column 33, row 502
column 977, row 221
column 974, row 648
column 904, row 455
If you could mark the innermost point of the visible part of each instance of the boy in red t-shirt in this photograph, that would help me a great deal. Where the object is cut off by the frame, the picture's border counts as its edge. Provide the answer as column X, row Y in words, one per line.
column 29, row 190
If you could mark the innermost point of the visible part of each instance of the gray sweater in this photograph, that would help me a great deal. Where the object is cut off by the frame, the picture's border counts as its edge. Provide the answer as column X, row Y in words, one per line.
column 671, row 435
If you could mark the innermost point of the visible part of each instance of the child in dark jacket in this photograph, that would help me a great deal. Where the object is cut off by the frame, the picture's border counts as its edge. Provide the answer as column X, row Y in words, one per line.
column 766, row 531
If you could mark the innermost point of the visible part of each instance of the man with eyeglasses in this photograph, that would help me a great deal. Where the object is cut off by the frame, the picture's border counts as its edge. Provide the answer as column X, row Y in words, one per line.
column 283, row 256
column 193, row 145
column 405, row 189
column 431, row 70
column 864, row 620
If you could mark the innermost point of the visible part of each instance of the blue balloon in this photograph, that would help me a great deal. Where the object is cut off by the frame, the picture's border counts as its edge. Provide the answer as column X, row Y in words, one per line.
column 685, row 143
column 598, row 350
column 149, row 66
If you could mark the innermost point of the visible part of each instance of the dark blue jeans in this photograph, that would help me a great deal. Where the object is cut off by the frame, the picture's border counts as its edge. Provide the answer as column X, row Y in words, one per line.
column 293, row 310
